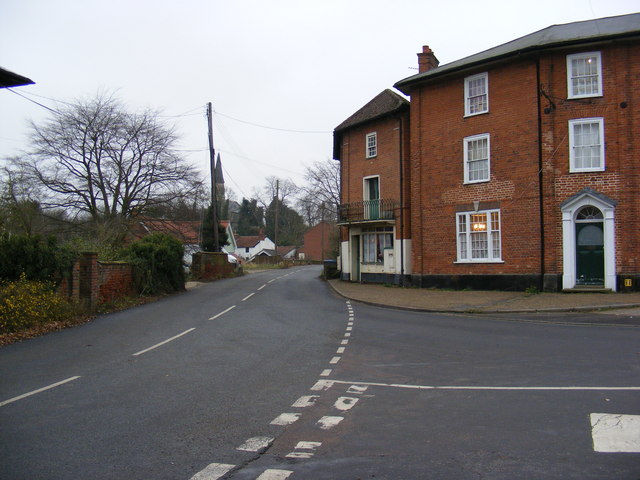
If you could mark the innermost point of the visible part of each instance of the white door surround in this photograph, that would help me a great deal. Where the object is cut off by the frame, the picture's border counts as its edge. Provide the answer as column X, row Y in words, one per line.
column 570, row 209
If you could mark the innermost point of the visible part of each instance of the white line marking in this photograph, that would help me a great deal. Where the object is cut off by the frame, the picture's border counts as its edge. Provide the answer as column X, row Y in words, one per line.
column 334, row 360
column 162, row 343
column 347, row 335
column 248, row 296
column 260, row 288
column 322, row 385
column 349, row 329
column 285, row 419
column 350, row 324
column 327, row 422
column 469, row 387
column 359, row 389
column 213, row 471
column 345, row 403
column 304, row 446
column 344, row 342
column 223, row 312
column 326, row 373
column 273, row 474
column 305, row 401
column 272, row 280
column 48, row 387
column 615, row 433
column 340, row 350
column 255, row 444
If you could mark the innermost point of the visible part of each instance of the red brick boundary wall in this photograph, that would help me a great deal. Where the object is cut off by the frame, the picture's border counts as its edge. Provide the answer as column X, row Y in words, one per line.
column 211, row 266
column 93, row 283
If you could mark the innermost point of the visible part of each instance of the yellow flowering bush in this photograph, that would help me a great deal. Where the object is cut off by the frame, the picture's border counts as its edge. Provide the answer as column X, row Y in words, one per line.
column 25, row 304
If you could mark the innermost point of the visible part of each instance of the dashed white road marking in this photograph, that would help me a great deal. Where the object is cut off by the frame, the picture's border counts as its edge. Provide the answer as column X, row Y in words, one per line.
column 248, row 296
column 615, row 433
column 334, row 360
column 349, row 329
column 305, row 401
column 273, row 474
column 340, row 350
column 326, row 373
column 255, row 444
column 347, row 335
column 328, row 422
column 272, row 280
column 285, row 419
column 213, row 471
column 304, row 450
column 359, row 389
column 223, row 312
column 39, row 390
column 260, row 288
column 345, row 403
column 162, row 343
column 321, row 385
column 344, row 342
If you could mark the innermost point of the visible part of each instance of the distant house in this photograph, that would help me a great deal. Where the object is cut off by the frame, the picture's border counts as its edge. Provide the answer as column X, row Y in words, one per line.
column 230, row 246
column 249, row 246
column 287, row 251
column 319, row 242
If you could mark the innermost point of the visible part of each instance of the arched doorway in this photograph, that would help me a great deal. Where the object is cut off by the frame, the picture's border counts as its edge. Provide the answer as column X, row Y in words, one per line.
column 588, row 240
column 589, row 246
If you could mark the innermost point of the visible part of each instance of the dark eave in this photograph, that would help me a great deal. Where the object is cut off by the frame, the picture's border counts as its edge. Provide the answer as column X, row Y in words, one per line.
column 10, row 79
column 566, row 35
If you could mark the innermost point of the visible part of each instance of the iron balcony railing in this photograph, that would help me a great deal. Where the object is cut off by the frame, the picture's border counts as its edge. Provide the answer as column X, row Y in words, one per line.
column 367, row 210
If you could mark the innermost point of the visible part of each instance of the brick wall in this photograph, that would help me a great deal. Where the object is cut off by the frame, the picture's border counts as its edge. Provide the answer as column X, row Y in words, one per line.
column 211, row 266
column 320, row 242
column 115, row 280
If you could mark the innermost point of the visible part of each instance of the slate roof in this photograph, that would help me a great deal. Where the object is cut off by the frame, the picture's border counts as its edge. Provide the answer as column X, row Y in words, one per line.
column 568, row 34
column 383, row 104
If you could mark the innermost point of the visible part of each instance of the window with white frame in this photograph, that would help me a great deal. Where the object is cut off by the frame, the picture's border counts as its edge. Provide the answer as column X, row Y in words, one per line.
column 477, row 158
column 586, row 145
column 584, row 75
column 479, row 236
column 374, row 241
column 372, row 144
column 476, row 94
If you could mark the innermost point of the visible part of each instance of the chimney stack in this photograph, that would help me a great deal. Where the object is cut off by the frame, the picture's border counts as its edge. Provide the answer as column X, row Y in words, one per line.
column 427, row 60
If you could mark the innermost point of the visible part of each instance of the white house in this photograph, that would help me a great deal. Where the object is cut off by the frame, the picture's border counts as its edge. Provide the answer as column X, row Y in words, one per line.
column 248, row 247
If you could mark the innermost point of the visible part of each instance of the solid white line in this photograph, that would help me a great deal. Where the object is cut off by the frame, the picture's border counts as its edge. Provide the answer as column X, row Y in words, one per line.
column 24, row 395
column 469, row 387
column 213, row 471
column 223, row 312
column 162, row 343
column 248, row 296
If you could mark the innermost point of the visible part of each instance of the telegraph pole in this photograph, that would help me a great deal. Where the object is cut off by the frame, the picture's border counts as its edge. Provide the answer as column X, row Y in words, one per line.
column 214, row 193
column 275, row 227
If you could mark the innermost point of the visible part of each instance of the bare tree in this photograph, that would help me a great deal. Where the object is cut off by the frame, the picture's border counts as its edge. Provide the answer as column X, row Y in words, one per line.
column 285, row 188
column 101, row 161
column 320, row 198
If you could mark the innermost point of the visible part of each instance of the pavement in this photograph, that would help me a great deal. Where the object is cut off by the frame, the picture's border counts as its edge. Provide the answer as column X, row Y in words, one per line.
column 477, row 301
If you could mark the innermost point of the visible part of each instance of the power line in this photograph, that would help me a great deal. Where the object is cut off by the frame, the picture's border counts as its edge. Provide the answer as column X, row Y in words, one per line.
column 33, row 101
column 271, row 128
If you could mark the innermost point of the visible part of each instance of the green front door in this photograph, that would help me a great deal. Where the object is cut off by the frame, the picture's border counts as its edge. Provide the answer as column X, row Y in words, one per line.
column 589, row 253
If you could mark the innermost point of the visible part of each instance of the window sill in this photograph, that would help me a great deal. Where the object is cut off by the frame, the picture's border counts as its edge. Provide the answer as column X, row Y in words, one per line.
column 466, row 182
column 467, row 115
column 473, row 262
column 581, row 97
column 587, row 170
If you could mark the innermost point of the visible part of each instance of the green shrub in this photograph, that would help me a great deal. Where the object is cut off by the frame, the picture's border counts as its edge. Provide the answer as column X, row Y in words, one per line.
column 157, row 264
column 34, row 257
column 27, row 303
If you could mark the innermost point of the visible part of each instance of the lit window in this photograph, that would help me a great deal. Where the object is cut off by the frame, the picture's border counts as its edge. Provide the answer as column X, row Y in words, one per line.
column 584, row 75
column 372, row 145
column 374, row 242
column 479, row 236
column 476, row 94
column 476, row 159
column 586, row 145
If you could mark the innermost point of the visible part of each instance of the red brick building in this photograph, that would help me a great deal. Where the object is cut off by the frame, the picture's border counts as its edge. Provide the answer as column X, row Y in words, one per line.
column 524, row 162
column 372, row 146
column 319, row 242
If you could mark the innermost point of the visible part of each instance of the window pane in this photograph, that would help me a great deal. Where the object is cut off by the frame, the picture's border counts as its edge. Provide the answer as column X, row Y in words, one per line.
column 478, row 159
column 586, row 145
column 477, row 95
column 584, row 75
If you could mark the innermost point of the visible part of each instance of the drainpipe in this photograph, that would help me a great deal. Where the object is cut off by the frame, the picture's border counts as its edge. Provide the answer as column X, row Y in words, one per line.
column 540, row 177
column 400, row 145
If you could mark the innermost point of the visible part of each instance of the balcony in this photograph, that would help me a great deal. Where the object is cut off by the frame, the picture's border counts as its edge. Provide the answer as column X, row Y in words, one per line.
column 367, row 211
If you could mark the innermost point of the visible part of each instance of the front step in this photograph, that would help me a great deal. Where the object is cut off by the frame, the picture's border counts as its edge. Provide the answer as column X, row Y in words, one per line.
column 587, row 289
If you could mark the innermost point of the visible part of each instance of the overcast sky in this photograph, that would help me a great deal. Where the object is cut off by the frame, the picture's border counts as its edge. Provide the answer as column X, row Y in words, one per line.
column 281, row 74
